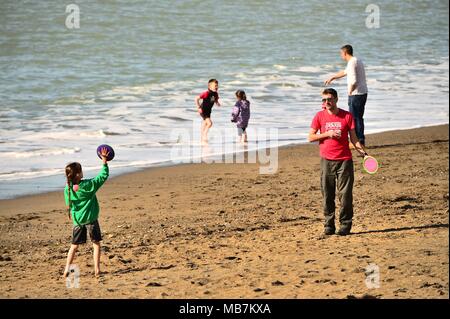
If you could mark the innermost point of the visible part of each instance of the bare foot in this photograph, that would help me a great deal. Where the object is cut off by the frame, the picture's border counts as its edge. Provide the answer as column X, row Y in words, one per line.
column 98, row 273
column 66, row 273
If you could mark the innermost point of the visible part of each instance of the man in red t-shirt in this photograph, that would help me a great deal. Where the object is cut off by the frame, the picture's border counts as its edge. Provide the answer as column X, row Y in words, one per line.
column 335, row 126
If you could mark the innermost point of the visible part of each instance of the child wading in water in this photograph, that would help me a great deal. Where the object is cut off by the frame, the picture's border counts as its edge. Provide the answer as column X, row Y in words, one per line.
column 84, row 209
column 241, row 115
column 209, row 98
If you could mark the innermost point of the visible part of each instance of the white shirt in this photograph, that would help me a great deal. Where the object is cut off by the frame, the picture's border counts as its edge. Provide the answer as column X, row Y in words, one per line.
column 356, row 75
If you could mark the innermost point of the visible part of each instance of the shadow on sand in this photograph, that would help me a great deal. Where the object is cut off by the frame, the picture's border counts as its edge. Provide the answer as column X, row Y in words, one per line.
column 388, row 230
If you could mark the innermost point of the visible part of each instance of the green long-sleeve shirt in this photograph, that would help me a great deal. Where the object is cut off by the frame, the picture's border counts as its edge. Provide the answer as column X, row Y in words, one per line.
column 84, row 203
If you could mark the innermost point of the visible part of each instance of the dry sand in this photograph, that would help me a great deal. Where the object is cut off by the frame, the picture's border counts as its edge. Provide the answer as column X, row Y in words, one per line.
column 225, row 231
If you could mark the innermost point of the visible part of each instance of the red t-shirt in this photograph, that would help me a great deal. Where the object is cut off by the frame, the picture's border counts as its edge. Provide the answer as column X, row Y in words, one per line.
column 332, row 148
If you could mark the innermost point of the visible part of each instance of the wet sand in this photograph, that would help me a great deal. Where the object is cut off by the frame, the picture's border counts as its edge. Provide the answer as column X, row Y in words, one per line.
column 226, row 231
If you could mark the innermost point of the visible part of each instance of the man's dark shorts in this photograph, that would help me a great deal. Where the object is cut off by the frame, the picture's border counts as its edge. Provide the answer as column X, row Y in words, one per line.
column 80, row 233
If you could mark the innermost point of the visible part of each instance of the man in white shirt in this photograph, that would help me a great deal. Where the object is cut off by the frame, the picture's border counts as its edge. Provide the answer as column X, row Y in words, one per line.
column 356, row 88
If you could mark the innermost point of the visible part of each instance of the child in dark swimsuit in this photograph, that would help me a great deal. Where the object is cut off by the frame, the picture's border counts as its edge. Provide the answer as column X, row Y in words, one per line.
column 209, row 98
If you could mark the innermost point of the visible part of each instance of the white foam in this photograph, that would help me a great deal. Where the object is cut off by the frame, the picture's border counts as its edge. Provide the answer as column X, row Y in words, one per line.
column 40, row 152
column 10, row 176
column 118, row 111
column 400, row 96
column 10, row 113
column 310, row 69
column 279, row 67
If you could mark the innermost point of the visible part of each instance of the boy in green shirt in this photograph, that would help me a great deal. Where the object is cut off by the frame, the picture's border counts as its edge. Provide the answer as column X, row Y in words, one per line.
column 84, row 209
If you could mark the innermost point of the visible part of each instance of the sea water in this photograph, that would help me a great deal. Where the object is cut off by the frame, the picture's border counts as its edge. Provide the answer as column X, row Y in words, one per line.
column 128, row 75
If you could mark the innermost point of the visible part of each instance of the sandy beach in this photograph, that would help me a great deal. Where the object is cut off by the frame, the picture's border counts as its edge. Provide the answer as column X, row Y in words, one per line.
column 226, row 231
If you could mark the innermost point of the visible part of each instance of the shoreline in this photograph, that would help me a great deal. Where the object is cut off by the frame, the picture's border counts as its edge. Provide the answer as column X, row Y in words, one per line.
column 46, row 194
column 226, row 231
column 169, row 163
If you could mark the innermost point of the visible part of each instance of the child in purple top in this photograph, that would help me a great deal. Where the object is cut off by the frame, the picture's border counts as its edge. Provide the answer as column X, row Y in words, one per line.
column 241, row 115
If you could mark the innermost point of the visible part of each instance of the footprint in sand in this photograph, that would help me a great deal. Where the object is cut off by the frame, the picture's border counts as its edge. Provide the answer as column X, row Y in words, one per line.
column 154, row 284
column 277, row 283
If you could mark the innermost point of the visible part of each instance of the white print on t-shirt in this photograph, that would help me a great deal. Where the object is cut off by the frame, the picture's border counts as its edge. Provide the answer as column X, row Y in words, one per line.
column 334, row 126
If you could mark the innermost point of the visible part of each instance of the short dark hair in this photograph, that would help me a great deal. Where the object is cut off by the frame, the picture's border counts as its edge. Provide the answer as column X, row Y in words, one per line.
column 330, row 91
column 348, row 49
column 213, row 80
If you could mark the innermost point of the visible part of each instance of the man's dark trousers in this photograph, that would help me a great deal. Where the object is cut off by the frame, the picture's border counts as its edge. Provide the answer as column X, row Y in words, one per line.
column 338, row 174
column 356, row 106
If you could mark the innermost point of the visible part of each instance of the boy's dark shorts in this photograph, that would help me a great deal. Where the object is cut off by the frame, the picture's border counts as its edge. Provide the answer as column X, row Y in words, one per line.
column 206, row 113
column 80, row 233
